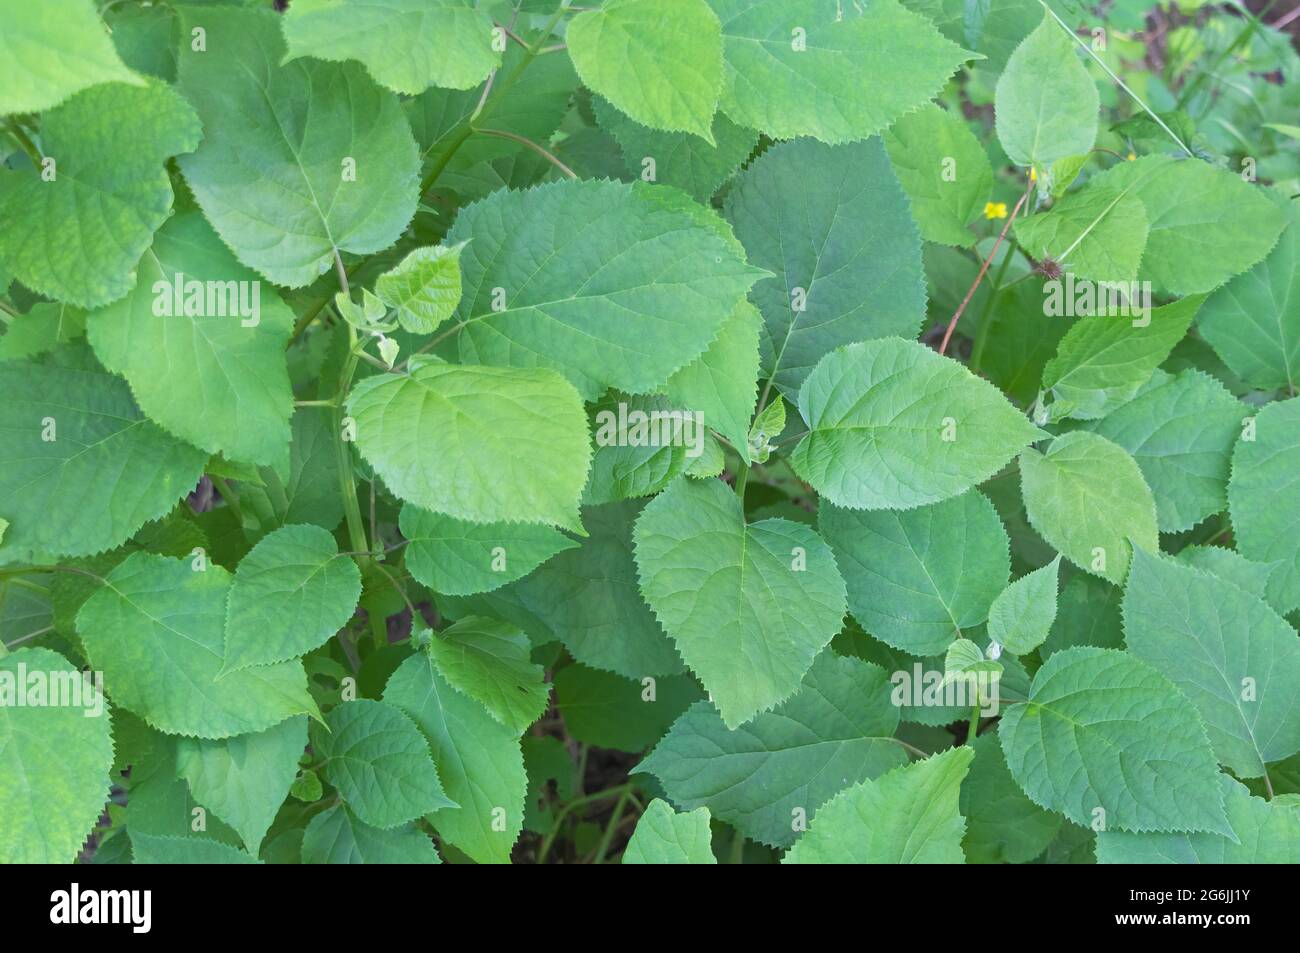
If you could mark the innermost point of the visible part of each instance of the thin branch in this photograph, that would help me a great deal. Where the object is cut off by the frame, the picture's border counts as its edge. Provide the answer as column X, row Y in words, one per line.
column 952, row 325
column 540, row 150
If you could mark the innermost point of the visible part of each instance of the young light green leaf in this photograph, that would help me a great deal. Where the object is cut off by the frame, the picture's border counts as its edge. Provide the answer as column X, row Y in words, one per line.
column 51, row 51
column 820, row 68
column 54, row 760
column 1253, row 322
column 767, row 426
column 201, row 343
column 620, row 286
column 918, row 578
column 406, row 45
column 832, row 225
column 1233, row 656
column 1087, row 498
column 1206, row 224
column 908, row 816
column 299, row 161
column 893, row 425
column 483, row 444
column 749, row 606
column 1021, row 617
column 1112, row 744
column 76, row 226
column 457, row 558
column 1096, row 234
column 424, row 287
column 66, row 422
column 1262, row 833
column 1046, row 103
column 665, row 837
column 156, row 629
column 1104, row 360
column 783, row 765
column 291, row 593
column 1181, row 431
column 244, row 780
column 380, row 762
column 1267, row 458
column 944, row 170
column 659, row 61
column 478, row 757
column 721, row 384
column 336, row 836
column 490, row 662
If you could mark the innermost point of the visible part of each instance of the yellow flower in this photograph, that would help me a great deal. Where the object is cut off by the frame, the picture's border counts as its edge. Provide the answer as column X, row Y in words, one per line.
column 995, row 209
column 1132, row 156
column 1033, row 174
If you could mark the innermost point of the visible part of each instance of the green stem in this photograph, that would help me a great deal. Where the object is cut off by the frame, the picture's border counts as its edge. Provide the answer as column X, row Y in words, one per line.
column 974, row 728
column 982, row 334
column 24, row 141
column 742, row 477
column 229, row 495
column 573, row 805
column 611, row 827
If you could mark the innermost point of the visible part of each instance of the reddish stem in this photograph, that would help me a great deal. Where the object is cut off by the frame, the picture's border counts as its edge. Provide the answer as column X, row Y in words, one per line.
column 952, row 325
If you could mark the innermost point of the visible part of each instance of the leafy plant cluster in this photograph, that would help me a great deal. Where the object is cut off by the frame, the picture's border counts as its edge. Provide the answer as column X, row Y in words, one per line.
column 810, row 431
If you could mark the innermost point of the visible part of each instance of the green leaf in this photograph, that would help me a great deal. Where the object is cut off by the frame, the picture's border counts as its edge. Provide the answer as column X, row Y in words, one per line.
column 696, row 165
column 1233, row 656
column 478, row 757
column 53, row 491
column 659, row 61
column 722, row 383
column 51, row 50
column 1181, row 431
column 893, row 425
column 1021, row 617
column 821, row 68
column 1104, row 360
column 918, row 578
column 1206, row 224
column 336, row 836
column 588, row 599
column 908, row 816
column 833, row 226
column 291, row 593
column 307, row 490
column 1259, row 579
column 457, row 558
column 78, row 236
column 610, row 711
column 48, row 804
column 1264, row 833
column 1107, row 740
column 1002, row 825
column 1046, row 103
column 642, row 445
column 406, row 45
column 201, row 345
column 424, row 287
column 482, row 444
column 768, row 424
column 749, row 606
column 663, row 837
column 244, row 780
column 156, row 629
column 299, row 161
column 43, row 328
column 1263, row 510
column 170, row 850
column 767, row 777
column 1088, row 499
column 1253, row 322
column 490, row 662
column 1096, row 234
column 380, row 762
column 944, row 170
column 614, row 285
